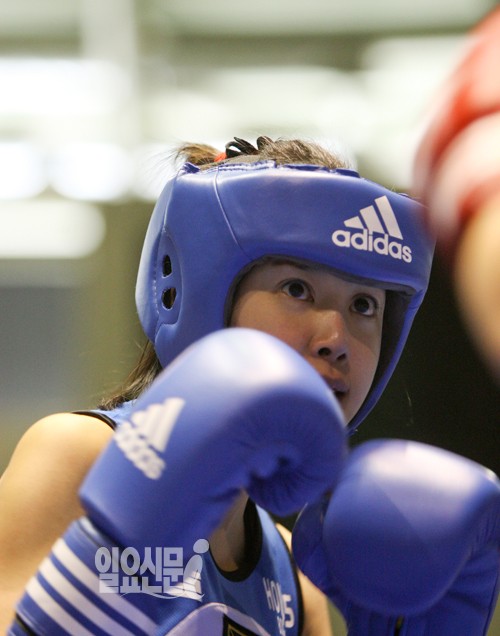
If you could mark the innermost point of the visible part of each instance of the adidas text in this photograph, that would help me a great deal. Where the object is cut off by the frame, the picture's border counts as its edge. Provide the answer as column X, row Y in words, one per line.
column 377, row 219
column 145, row 436
column 365, row 241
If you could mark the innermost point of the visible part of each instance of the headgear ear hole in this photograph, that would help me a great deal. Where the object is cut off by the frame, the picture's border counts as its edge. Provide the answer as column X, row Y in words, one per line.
column 168, row 297
column 167, row 265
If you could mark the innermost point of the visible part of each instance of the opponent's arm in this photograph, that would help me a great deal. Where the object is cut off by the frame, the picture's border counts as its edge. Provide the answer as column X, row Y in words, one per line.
column 477, row 280
column 408, row 544
column 457, row 174
column 39, row 496
column 239, row 410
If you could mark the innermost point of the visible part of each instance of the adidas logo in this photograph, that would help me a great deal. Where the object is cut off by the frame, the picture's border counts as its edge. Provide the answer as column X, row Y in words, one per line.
column 145, row 437
column 375, row 219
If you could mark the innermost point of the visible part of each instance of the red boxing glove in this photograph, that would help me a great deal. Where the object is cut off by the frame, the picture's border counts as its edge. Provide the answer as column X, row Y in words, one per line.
column 458, row 162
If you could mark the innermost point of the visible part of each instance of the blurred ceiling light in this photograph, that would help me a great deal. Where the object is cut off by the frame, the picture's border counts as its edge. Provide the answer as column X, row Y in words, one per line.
column 91, row 172
column 49, row 229
column 399, row 77
column 22, row 169
column 57, row 87
column 427, row 54
column 193, row 114
column 231, row 102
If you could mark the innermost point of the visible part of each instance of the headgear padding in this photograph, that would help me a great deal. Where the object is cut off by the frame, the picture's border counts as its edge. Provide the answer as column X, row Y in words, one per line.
column 209, row 225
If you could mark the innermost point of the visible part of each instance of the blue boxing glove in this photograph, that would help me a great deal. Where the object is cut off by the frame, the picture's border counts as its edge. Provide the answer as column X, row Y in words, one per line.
column 239, row 410
column 408, row 543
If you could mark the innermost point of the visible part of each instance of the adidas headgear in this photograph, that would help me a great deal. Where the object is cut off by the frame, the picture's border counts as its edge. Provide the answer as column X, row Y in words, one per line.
column 209, row 225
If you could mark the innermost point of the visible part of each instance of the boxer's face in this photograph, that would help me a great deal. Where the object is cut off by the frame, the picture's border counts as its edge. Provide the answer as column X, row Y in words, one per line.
column 335, row 324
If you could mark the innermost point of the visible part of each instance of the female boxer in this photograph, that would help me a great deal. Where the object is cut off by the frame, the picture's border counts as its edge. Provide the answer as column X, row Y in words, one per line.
column 318, row 273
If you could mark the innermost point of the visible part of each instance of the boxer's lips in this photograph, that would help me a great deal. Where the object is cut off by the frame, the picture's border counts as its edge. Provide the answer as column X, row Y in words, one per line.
column 338, row 387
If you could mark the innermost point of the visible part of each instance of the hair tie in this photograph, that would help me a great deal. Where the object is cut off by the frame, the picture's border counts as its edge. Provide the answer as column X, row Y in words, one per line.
column 220, row 157
column 239, row 147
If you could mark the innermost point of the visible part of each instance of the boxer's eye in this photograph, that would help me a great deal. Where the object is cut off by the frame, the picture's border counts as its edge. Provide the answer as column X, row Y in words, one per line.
column 365, row 305
column 297, row 288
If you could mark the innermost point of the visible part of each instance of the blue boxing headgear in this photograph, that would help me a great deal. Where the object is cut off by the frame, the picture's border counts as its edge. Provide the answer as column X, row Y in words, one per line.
column 209, row 225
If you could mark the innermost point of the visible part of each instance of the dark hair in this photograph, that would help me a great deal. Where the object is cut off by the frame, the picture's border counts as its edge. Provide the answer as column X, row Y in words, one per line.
column 142, row 375
column 281, row 151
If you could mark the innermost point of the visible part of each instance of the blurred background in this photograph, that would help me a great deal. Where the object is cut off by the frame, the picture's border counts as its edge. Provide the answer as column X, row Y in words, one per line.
column 93, row 98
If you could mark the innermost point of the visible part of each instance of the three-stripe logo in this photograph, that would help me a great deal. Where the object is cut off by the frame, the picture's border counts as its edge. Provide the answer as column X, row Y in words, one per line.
column 144, row 438
column 378, row 219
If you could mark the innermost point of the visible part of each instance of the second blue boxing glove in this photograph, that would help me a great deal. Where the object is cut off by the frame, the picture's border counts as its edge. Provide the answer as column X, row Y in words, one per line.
column 408, row 543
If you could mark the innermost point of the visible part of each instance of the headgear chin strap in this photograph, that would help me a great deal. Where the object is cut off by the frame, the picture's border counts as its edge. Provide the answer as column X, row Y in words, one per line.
column 209, row 225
